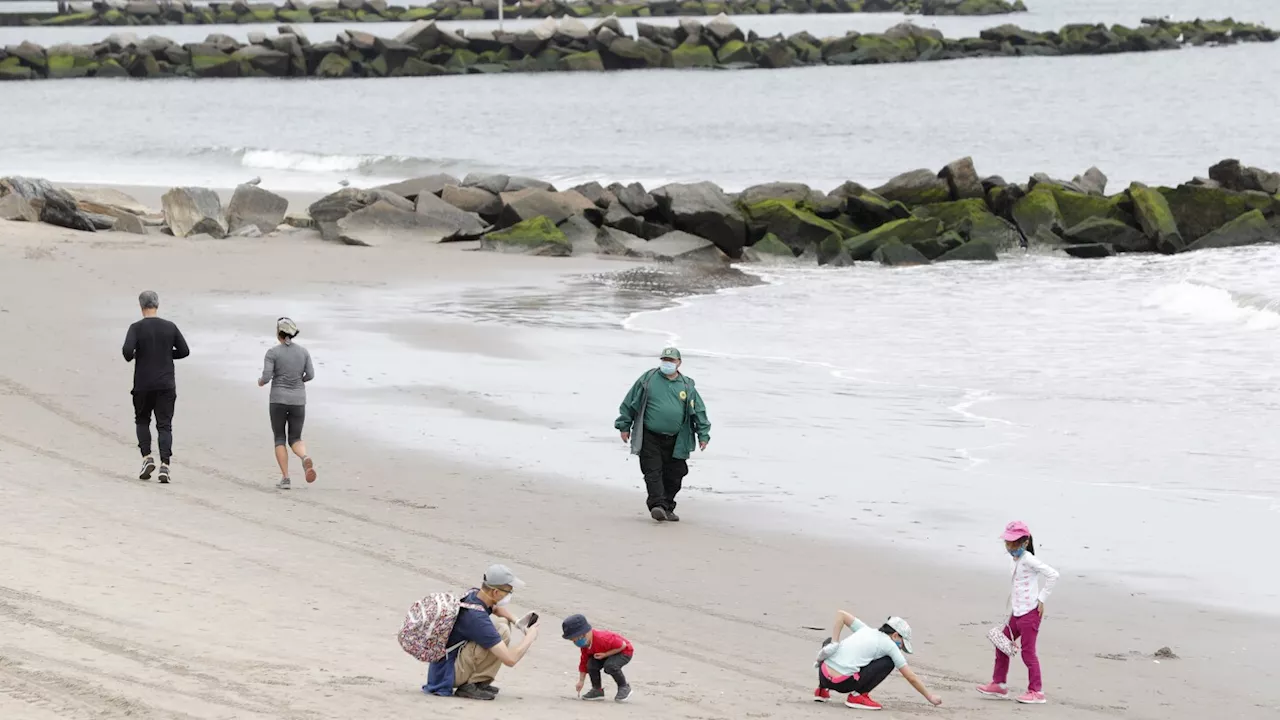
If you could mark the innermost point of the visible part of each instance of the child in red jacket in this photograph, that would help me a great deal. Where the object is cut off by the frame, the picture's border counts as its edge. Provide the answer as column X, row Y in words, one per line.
column 601, row 651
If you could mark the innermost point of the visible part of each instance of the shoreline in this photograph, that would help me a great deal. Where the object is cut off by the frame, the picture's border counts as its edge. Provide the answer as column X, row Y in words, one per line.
column 425, row 49
column 383, row 525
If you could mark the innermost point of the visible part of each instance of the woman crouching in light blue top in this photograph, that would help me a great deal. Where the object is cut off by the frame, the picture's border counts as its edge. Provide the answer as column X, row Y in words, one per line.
column 861, row 661
column 288, row 368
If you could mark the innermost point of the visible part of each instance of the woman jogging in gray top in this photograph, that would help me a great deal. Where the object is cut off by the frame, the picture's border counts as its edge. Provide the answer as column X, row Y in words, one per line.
column 287, row 367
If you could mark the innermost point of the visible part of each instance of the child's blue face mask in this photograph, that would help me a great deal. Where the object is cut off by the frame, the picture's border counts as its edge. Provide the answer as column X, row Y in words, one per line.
column 1017, row 552
column 581, row 642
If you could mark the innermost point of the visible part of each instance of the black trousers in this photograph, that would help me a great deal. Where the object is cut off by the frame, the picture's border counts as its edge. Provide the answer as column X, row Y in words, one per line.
column 286, row 423
column 611, row 666
column 663, row 473
column 868, row 678
column 161, row 403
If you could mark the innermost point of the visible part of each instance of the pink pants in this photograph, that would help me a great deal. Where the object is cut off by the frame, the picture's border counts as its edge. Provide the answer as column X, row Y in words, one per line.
column 1026, row 627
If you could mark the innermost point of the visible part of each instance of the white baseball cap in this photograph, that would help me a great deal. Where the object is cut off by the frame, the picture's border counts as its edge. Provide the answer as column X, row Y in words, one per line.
column 901, row 627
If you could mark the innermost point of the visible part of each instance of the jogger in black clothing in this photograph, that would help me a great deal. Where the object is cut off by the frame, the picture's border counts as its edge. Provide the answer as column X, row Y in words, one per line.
column 152, row 344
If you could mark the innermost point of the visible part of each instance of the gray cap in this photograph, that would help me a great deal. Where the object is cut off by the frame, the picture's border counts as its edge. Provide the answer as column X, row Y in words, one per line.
column 499, row 575
column 901, row 627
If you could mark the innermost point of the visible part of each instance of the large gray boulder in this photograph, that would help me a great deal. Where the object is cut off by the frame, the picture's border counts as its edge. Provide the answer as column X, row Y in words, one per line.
column 1093, row 182
column 252, row 206
column 17, row 208
column 532, row 202
column 192, row 211
column 794, row 192
column 918, row 187
column 451, row 222
column 1250, row 228
column 581, row 234
column 704, row 210
column 328, row 210
column 962, row 179
column 493, row 182
column 384, row 222
column 53, row 205
column 1232, row 175
column 410, row 189
column 634, row 198
column 1106, row 231
column 472, row 199
column 683, row 247
column 596, row 193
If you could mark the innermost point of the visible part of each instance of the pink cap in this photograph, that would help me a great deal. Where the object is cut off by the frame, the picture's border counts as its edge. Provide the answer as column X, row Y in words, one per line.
column 1015, row 530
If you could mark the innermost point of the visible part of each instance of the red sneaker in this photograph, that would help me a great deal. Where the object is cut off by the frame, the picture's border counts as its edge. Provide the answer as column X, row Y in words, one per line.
column 821, row 695
column 861, row 702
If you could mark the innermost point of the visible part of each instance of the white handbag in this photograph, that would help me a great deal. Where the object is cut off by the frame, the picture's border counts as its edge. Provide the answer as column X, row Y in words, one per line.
column 1004, row 643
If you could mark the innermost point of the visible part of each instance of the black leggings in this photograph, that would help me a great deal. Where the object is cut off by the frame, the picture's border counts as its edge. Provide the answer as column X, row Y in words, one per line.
column 867, row 678
column 286, row 423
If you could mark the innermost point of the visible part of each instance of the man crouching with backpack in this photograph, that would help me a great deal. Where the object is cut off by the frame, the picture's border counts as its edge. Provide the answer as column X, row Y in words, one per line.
column 478, row 645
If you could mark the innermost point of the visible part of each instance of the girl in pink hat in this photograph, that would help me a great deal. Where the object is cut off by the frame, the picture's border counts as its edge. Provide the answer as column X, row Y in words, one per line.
column 1027, row 598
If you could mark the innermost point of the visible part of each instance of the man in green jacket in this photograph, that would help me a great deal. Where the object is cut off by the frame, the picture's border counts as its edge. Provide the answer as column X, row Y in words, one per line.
column 660, row 417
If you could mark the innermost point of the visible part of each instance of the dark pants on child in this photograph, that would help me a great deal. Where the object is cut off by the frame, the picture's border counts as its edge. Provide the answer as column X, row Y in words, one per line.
column 663, row 473
column 160, row 402
column 1026, row 627
column 861, row 682
column 611, row 666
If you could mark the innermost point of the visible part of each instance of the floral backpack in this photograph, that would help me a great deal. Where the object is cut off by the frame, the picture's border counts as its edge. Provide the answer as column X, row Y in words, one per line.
column 425, row 634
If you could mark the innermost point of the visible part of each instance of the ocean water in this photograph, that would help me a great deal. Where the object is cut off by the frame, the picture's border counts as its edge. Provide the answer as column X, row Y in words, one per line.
column 1125, row 409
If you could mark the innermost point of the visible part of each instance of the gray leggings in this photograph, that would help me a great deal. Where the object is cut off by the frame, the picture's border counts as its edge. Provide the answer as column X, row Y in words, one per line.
column 286, row 423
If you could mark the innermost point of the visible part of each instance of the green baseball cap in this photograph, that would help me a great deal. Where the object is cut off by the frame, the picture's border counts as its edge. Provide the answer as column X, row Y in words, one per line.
column 670, row 352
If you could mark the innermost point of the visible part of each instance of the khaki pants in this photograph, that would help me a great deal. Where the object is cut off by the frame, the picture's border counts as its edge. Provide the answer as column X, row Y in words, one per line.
column 476, row 664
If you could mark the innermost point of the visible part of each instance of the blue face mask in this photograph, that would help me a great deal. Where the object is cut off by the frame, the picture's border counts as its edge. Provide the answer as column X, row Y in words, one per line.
column 581, row 642
column 1017, row 552
column 667, row 368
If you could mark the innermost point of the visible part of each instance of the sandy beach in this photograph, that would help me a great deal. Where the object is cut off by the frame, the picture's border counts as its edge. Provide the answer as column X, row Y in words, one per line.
column 218, row 597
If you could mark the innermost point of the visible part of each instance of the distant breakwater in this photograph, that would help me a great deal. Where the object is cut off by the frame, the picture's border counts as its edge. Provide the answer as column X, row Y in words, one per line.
column 183, row 12
column 916, row 218
column 426, row 49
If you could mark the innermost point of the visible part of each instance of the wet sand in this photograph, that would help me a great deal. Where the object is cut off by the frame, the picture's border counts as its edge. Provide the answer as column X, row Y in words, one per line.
column 219, row 597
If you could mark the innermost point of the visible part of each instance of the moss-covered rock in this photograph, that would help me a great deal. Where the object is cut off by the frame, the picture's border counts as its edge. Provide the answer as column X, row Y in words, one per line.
column 295, row 16
column 831, row 252
column 973, row 250
column 792, row 224
column 692, row 56
column 71, row 61
column 875, row 49
column 110, row 68
column 535, row 236
column 937, row 247
column 1076, row 207
column 735, row 51
column 470, row 13
column 582, row 62
column 896, row 254
column 1199, row 210
column 1156, row 219
column 905, row 231
column 972, row 220
column 1250, row 228
column 1106, row 231
column 1038, row 217
column 83, row 18
column 11, row 68
column 1090, row 251
column 867, row 208
column 334, row 65
column 462, row 58
column 917, row 187
column 771, row 245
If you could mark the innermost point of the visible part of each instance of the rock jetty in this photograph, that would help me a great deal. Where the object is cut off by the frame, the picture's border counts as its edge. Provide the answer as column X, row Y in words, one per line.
column 916, row 218
column 184, row 12
column 426, row 48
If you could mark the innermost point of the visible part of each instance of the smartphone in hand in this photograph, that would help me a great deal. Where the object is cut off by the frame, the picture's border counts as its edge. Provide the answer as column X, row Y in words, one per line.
column 528, row 621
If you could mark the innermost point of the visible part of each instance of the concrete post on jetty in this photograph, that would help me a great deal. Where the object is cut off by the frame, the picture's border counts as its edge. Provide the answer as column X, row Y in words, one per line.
column 426, row 49
column 185, row 12
column 916, row 218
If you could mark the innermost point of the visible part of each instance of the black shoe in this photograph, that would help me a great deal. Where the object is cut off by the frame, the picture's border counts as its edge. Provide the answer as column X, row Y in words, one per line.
column 624, row 693
column 148, row 467
column 658, row 514
column 164, row 474
column 471, row 691
column 672, row 516
column 489, row 687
